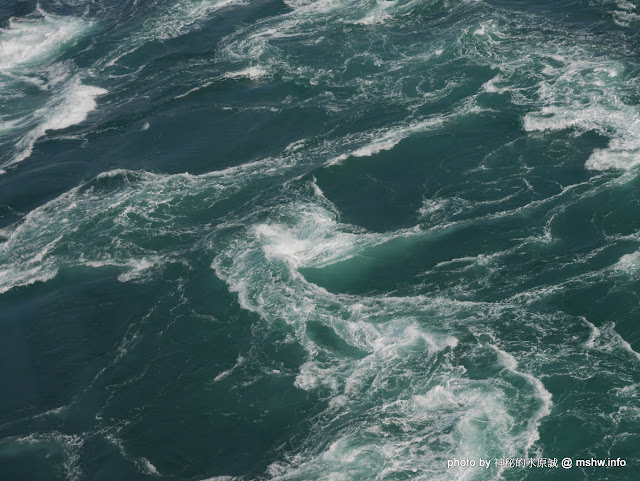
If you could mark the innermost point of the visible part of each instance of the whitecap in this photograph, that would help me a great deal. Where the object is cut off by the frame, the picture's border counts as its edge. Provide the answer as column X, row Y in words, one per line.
column 70, row 107
column 31, row 40
column 249, row 72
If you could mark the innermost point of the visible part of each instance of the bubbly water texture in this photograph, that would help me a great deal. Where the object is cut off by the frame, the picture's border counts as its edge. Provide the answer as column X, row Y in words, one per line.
column 318, row 240
column 36, row 38
column 29, row 47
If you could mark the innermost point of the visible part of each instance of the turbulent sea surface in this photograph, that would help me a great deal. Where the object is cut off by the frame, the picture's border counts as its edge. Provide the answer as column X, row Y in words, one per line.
column 318, row 239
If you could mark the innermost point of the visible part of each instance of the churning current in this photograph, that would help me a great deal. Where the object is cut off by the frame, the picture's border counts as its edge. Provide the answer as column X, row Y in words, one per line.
column 319, row 240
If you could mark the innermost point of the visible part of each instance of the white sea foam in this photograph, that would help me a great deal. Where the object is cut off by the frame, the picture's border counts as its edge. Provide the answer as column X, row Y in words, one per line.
column 135, row 268
column 180, row 19
column 491, row 87
column 11, row 277
column 53, row 226
column 568, row 85
column 616, row 120
column 542, row 395
column 379, row 14
column 222, row 478
column 147, row 467
column 629, row 263
column 28, row 49
column 387, row 139
column 311, row 23
column 28, row 41
column 412, row 343
column 249, row 72
column 186, row 15
column 317, row 240
column 584, row 93
column 607, row 339
column 228, row 372
column 625, row 16
column 70, row 107
column 32, row 250
column 394, row 336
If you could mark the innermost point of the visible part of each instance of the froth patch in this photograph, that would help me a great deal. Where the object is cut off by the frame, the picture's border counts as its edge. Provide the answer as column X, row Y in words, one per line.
column 222, row 478
column 405, row 376
column 629, row 263
column 180, row 19
column 607, row 339
column 224, row 374
column 625, row 16
column 106, row 222
column 382, row 140
column 378, row 15
column 11, row 278
column 249, row 72
column 186, row 15
column 585, row 95
column 31, row 40
column 145, row 465
column 542, row 395
column 70, row 107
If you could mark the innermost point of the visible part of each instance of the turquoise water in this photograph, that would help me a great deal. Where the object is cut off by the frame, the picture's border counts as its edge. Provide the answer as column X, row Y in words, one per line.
column 318, row 240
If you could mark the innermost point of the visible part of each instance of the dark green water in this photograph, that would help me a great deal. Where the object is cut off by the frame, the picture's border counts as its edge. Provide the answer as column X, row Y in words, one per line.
column 318, row 240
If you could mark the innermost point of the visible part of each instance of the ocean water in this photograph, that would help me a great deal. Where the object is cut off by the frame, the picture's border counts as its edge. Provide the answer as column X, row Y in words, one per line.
column 308, row 240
